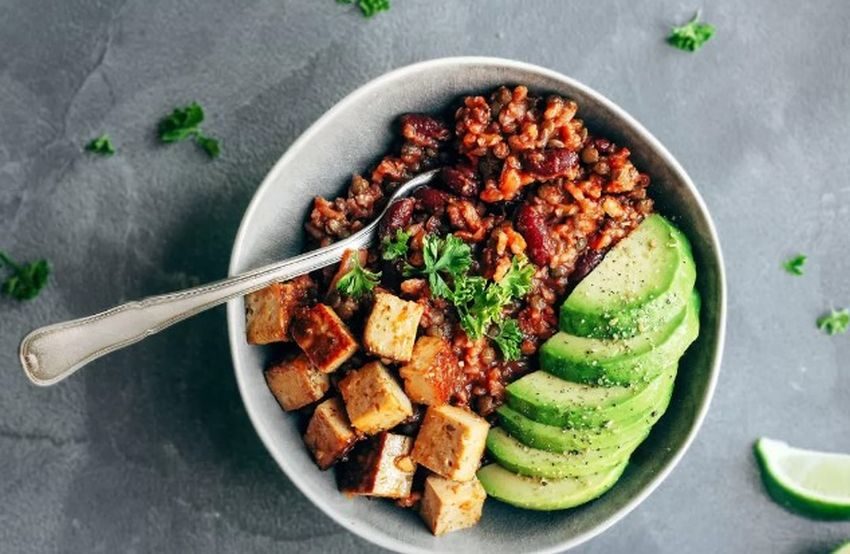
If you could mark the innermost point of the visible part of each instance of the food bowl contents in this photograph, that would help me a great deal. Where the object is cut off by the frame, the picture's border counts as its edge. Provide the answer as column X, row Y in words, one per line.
column 528, row 310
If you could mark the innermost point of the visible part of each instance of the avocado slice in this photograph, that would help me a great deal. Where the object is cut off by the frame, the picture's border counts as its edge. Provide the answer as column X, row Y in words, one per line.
column 551, row 400
column 621, row 361
column 642, row 283
column 558, row 439
column 517, row 457
column 534, row 493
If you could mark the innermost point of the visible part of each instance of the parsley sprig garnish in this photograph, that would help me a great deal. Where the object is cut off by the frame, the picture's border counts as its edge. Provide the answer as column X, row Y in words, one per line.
column 835, row 322
column 184, row 123
column 357, row 281
column 26, row 280
column 369, row 7
column 691, row 36
column 395, row 247
column 444, row 258
column 508, row 339
column 794, row 266
column 101, row 145
column 479, row 302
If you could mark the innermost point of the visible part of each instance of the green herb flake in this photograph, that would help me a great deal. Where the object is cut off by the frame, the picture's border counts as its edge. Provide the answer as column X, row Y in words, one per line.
column 26, row 280
column 358, row 281
column 691, row 36
column 448, row 257
column 508, row 339
column 395, row 247
column 835, row 322
column 184, row 123
column 101, row 145
column 794, row 266
column 369, row 7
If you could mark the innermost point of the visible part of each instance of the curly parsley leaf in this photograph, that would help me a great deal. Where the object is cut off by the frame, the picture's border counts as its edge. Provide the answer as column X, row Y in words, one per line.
column 508, row 339
column 395, row 247
column 794, row 266
column 209, row 144
column 369, row 7
column 101, row 145
column 443, row 257
column 26, row 280
column 835, row 322
column 517, row 280
column 691, row 36
column 358, row 281
column 184, row 123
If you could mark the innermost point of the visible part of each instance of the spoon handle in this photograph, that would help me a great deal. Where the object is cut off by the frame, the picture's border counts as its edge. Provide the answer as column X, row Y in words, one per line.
column 52, row 353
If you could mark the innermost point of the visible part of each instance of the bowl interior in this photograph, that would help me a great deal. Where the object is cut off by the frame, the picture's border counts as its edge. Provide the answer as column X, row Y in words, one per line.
column 348, row 139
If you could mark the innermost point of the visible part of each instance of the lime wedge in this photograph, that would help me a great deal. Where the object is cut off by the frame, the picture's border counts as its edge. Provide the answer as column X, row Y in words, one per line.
column 843, row 549
column 814, row 483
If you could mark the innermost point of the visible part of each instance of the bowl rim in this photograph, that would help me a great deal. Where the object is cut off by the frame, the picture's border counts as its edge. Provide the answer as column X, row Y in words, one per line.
column 234, row 309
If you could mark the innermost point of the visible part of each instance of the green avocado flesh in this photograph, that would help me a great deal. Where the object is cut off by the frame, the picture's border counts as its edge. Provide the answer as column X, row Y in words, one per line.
column 519, row 458
column 534, row 493
column 612, row 433
column 553, row 401
column 623, row 361
column 642, row 283
column 567, row 431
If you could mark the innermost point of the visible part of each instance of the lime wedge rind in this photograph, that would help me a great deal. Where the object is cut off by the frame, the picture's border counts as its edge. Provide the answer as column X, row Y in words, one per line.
column 786, row 490
column 842, row 548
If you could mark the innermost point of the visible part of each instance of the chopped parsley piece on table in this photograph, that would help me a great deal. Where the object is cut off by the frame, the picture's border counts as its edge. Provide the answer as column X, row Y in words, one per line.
column 184, row 123
column 26, row 280
column 835, row 322
column 101, row 145
column 358, row 281
column 369, row 7
column 691, row 36
column 395, row 247
column 794, row 266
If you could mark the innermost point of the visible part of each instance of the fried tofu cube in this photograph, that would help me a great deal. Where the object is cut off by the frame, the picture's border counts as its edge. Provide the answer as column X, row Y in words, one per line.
column 296, row 383
column 323, row 337
column 373, row 399
column 329, row 434
column 451, row 505
column 431, row 376
column 381, row 467
column 391, row 327
column 451, row 442
column 269, row 311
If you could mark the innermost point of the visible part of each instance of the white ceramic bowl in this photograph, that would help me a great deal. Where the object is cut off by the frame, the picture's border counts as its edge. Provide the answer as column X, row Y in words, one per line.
column 349, row 138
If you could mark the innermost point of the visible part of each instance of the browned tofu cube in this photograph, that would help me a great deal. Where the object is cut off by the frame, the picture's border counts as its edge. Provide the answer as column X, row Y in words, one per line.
column 431, row 376
column 329, row 434
column 451, row 505
column 373, row 400
column 296, row 383
column 381, row 466
column 391, row 327
column 323, row 337
column 451, row 441
column 269, row 311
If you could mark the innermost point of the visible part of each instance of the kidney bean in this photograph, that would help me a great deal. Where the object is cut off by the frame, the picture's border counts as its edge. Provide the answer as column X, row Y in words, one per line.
column 588, row 260
column 431, row 200
column 462, row 180
column 398, row 216
column 423, row 130
column 550, row 163
column 533, row 229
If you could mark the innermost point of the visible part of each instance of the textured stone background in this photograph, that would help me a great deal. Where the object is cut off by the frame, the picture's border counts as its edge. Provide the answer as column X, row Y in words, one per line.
column 150, row 450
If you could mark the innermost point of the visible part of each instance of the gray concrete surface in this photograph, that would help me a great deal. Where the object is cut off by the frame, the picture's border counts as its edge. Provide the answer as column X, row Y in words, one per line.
column 150, row 450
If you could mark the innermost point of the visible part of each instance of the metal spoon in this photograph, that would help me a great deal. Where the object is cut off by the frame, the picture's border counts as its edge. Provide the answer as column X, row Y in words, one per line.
column 50, row 354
